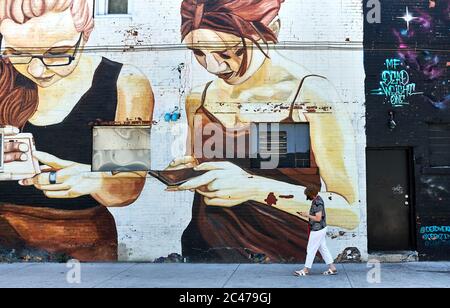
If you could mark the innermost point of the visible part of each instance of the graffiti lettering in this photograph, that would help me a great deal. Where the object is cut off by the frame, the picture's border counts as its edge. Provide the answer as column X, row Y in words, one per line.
column 444, row 229
column 437, row 244
column 396, row 84
column 393, row 64
column 435, row 235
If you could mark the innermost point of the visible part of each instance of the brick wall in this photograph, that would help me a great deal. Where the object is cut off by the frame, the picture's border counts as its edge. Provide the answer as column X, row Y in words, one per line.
column 426, row 48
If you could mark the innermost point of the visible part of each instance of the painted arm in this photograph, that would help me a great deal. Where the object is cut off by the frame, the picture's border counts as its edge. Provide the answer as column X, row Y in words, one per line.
column 193, row 102
column 135, row 100
column 73, row 180
column 333, row 144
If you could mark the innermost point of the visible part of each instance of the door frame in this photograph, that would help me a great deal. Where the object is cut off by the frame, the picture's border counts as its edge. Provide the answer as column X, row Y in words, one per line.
column 412, row 187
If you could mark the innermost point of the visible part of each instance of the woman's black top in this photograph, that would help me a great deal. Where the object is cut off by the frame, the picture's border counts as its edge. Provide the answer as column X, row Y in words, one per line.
column 71, row 139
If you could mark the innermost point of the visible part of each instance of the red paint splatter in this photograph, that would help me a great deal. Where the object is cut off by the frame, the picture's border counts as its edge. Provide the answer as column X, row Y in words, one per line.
column 271, row 200
column 287, row 197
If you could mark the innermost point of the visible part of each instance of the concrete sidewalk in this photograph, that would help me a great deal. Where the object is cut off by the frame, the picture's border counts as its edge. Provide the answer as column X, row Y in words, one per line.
column 123, row 275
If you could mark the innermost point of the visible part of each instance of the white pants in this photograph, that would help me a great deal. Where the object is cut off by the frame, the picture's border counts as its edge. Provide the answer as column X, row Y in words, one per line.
column 318, row 242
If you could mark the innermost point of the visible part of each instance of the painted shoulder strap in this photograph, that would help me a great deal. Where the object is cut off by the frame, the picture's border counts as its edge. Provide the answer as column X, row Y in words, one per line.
column 291, row 110
column 205, row 92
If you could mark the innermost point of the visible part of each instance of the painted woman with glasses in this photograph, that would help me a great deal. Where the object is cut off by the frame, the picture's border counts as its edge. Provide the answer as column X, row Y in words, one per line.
column 53, row 57
column 50, row 89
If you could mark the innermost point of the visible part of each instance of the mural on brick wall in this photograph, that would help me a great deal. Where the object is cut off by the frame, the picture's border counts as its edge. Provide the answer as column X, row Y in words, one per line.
column 51, row 205
column 242, row 209
column 261, row 130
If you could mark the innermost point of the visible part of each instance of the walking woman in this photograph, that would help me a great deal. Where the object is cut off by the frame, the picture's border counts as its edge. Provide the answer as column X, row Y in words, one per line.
column 317, row 239
column 239, row 213
column 51, row 89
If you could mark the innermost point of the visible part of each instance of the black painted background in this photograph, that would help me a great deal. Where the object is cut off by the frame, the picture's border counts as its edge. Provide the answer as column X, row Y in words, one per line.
column 432, row 187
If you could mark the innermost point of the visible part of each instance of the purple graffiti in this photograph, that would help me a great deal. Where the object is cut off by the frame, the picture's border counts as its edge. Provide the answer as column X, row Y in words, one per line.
column 426, row 65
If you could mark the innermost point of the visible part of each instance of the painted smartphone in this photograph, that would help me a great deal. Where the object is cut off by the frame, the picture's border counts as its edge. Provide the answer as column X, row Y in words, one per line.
column 174, row 178
column 19, row 170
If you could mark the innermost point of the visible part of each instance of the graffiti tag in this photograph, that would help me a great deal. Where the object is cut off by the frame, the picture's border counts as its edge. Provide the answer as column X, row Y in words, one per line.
column 435, row 235
column 395, row 84
column 398, row 190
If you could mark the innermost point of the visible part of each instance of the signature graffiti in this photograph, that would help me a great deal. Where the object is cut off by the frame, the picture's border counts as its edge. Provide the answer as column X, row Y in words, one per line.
column 435, row 235
column 395, row 84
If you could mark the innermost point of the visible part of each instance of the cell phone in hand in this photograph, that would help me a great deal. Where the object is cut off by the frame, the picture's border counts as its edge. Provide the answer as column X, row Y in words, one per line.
column 19, row 170
column 175, row 178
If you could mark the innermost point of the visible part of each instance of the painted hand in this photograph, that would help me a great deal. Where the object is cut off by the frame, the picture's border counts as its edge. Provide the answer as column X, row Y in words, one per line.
column 13, row 151
column 73, row 180
column 184, row 162
column 226, row 184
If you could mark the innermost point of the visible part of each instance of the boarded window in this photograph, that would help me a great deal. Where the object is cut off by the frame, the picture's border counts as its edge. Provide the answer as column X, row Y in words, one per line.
column 121, row 149
column 289, row 143
column 439, row 144
column 112, row 7
column 117, row 6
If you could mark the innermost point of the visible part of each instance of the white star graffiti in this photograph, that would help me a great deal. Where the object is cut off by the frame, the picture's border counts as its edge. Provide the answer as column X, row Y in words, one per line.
column 408, row 18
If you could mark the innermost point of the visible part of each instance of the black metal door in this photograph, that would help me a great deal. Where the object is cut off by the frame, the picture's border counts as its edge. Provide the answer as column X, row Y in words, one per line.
column 389, row 208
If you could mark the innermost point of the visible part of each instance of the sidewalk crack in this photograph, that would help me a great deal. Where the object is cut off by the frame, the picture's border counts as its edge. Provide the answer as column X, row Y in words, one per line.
column 348, row 278
column 114, row 276
column 232, row 274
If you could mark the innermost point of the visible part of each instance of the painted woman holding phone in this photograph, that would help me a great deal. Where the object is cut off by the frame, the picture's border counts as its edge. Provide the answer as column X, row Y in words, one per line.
column 50, row 89
column 239, row 213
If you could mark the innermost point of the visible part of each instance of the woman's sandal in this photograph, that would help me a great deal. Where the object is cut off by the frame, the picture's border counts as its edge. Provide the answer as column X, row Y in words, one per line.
column 329, row 272
column 301, row 273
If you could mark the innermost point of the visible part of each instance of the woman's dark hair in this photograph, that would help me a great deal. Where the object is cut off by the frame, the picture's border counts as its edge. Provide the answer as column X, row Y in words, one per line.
column 247, row 19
